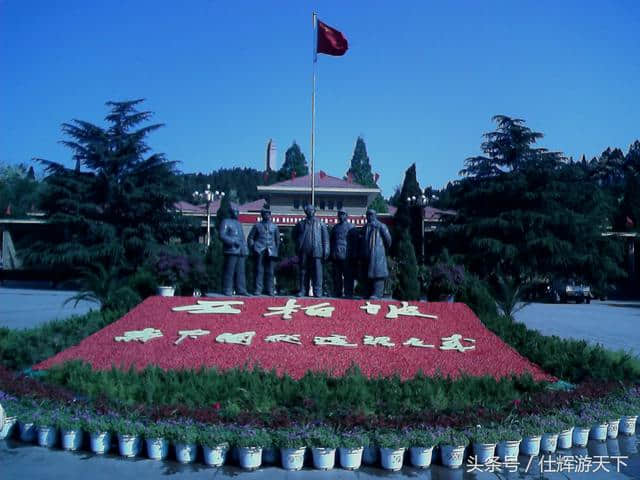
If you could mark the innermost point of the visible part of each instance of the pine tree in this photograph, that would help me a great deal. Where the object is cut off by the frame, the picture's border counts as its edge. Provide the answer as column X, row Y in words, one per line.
column 525, row 213
column 360, row 168
column 409, row 213
column 294, row 163
column 408, row 286
column 116, row 210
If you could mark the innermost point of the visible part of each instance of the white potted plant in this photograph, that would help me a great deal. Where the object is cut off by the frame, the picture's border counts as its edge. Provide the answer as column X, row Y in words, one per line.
column 567, row 419
column 452, row 445
column 215, row 444
column 47, row 429
column 129, row 432
column 291, row 442
column 421, row 442
column 170, row 269
column 392, row 446
column 156, row 440
column 351, row 447
column 250, row 442
column 70, row 426
column 99, row 429
column 484, row 441
column 323, row 442
column 552, row 428
column 183, row 434
column 509, row 444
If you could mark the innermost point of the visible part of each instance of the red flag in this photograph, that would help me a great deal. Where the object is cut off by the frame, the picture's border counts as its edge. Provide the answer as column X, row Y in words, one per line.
column 331, row 41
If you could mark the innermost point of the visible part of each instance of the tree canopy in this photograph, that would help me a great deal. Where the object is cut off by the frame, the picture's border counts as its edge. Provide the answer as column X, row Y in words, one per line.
column 527, row 213
column 115, row 207
column 294, row 163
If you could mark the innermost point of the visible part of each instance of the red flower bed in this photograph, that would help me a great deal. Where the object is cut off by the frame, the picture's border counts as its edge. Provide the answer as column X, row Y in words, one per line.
column 490, row 355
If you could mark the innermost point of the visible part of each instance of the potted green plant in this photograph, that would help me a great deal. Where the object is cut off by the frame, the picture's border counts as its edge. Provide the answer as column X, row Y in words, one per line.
column 6, row 426
column 484, row 440
column 183, row 433
column 584, row 421
column 392, row 446
column 215, row 441
column 323, row 442
column 99, row 428
column 351, row 447
column 446, row 280
column 629, row 409
column 552, row 428
column 250, row 442
column 600, row 420
column 170, row 269
column 26, row 412
column 509, row 443
column 567, row 419
column 129, row 431
column 45, row 423
column 452, row 444
column 370, row 451
column 291, row 442
column 532, row 430
column 70, row 426
column 156, row 437
column 421, row 442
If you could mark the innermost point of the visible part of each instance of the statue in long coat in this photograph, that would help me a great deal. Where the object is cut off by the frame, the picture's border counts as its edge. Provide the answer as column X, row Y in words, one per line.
column 376, row 241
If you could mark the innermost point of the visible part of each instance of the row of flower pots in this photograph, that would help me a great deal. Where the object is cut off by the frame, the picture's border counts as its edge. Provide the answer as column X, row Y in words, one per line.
column 252, row 449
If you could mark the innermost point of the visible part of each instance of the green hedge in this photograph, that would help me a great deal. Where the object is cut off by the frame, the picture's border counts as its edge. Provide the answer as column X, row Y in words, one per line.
column 317, row 394
column 572, row 360
column 20, row 349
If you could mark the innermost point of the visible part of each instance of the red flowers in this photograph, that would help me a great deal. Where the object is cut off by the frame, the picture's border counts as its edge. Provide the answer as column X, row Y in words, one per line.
column 292, row 350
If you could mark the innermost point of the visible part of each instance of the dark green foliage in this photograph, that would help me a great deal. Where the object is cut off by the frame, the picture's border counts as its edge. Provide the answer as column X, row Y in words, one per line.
column 224, row 211
column 21, row 349
column 238, row 184
column 19, row 191
column 409, row 214
column 475, row 293
column 317, row 394
column 571, row 360
column 214, row 262
column 117, row 208
column 360, row 168
column 378, row 204
column 528, row 214
column 408, row 286
column 294, row 163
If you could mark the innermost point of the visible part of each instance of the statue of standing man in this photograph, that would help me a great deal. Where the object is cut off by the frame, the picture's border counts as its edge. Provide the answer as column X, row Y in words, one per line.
column 376, row 240
column 264, row 242
column 235, row 253
column 311, row 239
column 343, row 255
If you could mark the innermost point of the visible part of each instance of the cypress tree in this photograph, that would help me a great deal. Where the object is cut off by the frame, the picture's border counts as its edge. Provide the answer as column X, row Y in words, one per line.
column 408, row 286
column 294, row 162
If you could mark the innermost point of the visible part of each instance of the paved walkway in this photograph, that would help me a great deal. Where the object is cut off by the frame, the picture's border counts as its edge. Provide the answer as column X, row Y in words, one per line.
column 616, row 325
column 26, row 308
column 22, row 461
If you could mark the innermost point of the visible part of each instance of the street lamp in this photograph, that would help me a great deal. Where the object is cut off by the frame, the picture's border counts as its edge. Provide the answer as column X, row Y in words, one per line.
column 208, row 196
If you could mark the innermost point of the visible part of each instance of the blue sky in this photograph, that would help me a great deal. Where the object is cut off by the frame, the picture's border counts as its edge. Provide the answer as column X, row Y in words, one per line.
column 420, row 81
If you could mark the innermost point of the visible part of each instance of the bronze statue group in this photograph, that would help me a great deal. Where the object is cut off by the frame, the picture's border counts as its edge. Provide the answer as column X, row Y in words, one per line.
column 347, row 247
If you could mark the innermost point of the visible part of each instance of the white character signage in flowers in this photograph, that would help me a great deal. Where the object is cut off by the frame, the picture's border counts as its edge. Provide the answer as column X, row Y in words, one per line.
column 217, row 307
column 141, row 336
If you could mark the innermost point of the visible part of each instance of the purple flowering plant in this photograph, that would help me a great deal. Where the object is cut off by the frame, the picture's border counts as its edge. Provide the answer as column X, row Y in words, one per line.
column 354, row 438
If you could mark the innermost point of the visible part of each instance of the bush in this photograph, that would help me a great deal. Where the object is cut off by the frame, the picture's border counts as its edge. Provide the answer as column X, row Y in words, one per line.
column 21, row 349
column 571, row 360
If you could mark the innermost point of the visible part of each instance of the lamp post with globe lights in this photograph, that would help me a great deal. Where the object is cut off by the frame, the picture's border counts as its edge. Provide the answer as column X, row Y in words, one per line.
column 208, row 196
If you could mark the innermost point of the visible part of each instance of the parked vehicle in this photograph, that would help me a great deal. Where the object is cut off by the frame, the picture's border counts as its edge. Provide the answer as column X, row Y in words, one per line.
column 564, row 290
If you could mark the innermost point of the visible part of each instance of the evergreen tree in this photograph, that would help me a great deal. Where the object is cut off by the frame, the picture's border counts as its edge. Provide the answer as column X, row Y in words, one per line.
column 632, row 159
column 117, row 209
column 360, row 168
column 409, row 213
column 408, row 286
column 524, row 213
column 360, row 171
column 294, row 163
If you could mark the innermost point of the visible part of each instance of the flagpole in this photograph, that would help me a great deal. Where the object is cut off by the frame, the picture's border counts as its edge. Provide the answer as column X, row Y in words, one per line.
column 314, row 18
